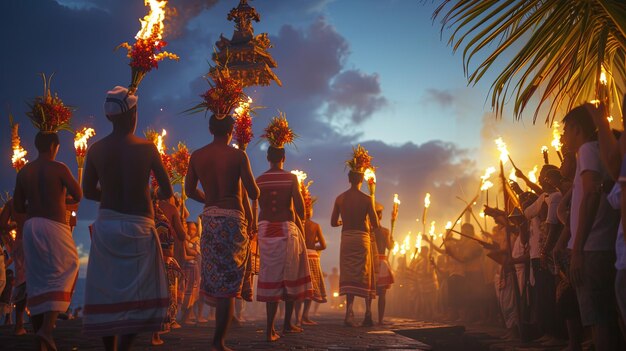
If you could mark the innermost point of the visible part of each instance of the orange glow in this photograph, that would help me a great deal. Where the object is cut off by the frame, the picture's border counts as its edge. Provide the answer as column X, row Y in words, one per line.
column 504, row 153
column 80, row 140
column 486, row 184
column 301, row 175
column 427, row 200
column 160, row 144
column 395, row 199
column 153, row 21
column 244, row 106
column 556, row 136
column 532, row 175
column 370, row 176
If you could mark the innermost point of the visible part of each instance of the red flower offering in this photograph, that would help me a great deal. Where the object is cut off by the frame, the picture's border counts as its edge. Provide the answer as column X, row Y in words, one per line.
column 48, row 113
column 278, row 132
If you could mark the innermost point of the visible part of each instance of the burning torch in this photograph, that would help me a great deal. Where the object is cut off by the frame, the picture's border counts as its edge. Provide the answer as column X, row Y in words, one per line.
column 80, row 146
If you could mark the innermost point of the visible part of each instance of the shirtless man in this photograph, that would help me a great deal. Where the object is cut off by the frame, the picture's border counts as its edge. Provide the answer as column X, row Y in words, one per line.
column 125, row 266
column 281, row 243
column 355, row 260
column 221, row 170
column 315, row 243
column 44, row 184
column 385, row 279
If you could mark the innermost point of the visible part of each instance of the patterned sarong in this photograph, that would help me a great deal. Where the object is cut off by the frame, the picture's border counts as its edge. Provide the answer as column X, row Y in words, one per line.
column 175, row 276
column 356, row 265
column 126, row 288
column 52, row 265
column 224, row 245
column 284, row 272
column 317, row 277
column 385, row 278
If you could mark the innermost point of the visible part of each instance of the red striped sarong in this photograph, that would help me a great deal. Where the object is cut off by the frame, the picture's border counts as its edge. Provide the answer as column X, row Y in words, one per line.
column 126, row 288
column 317, row 277
column 51, row 265
column 384, row 279
column 284, row 273
column 356, row 264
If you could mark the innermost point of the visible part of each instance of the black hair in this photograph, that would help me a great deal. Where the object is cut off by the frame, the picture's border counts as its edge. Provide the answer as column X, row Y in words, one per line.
column 355, row 177
column 221, row 127
column 45, row 140
column 581, row 117
column 275, row 154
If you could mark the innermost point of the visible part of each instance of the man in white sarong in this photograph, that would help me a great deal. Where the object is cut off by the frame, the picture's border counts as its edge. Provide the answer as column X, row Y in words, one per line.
column 356, row 264
column 126, row 289
column 51, row 259
column 284, row 273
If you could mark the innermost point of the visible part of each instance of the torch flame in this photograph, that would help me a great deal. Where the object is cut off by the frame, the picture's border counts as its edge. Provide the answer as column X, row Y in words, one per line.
column 243, row 108
column 301, row 175
column 556, row 137
column 396, row 248
column 427, row 200
column 418, row 243
column 504, row 153
column 449, row 225
column 235, row 145
column 512, row 175
column 369, row 176
column 81, row 137
column 19, row 156
column 544, row 149
column 405, row 244
column 603, row 79
column 431, row 232
column 160, row 144
column 486, row 184
column 153, row 22
column 395, row 199
column 13, row 234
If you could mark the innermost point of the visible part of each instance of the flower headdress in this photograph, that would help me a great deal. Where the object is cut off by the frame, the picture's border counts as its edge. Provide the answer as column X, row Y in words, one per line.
column 278, row 132
column 360, row 161
column 48, row 113
column 180, row 163
column 223, row 96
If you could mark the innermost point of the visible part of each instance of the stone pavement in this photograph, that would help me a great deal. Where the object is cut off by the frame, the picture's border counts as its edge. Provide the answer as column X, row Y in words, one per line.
column 330, row 334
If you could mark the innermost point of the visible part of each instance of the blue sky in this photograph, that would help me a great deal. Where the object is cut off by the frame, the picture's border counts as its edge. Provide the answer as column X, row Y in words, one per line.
column 354, row 71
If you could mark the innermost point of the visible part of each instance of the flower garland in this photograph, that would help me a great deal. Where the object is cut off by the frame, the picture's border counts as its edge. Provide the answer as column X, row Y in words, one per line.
column 48, row 113
column 360, row 161
column 180, row 163
column 243, row 124
column 278, row 132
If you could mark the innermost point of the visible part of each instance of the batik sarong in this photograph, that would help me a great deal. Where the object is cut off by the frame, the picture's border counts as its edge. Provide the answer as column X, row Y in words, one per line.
column 175, row 276
column 284, row 273
column 317, row 276
column 126, row 287
column 224, row 245
column 52, row 265
column 385, row 278
column 356, row 264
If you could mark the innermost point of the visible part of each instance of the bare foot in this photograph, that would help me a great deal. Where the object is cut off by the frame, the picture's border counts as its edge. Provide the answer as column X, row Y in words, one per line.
column 175, row 325
column 368, row 322
column 47, row 343
column 273, row 336
column 292, row 329
column 306, row 321
column 156, row 340
column 20, row 331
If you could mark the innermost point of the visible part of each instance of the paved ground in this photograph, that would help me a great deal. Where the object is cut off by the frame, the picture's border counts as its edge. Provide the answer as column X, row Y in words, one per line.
column 329, row 335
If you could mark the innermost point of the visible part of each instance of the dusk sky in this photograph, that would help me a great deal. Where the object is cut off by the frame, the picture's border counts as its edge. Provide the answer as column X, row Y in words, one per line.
column 373, row 72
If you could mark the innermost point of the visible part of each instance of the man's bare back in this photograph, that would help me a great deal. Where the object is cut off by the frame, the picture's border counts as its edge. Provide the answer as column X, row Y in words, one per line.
column 220, row 169
column 354, row 207
column 122, row 165
column 42, row 184
column 313, row 235
column 383, row 240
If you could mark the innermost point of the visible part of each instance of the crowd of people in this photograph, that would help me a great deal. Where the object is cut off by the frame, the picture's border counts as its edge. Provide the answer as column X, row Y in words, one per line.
column 553, row 266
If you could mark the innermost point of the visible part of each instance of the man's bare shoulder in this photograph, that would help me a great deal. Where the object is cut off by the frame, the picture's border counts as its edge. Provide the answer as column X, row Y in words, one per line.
column 218, row 151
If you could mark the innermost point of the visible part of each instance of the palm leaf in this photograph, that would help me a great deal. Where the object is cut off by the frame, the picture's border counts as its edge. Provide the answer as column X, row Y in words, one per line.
column 556, row 48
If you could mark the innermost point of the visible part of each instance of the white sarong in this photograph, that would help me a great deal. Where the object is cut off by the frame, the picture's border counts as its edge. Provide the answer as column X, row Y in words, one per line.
column 51, row 265
column 126, row 289
column 284, row 273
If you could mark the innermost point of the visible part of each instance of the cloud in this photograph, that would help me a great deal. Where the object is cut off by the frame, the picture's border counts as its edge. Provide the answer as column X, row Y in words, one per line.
column 443, row 98
column 357, row 93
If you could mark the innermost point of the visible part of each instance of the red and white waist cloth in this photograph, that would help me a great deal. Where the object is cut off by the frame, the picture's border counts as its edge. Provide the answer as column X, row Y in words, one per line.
column 317, row 276
column 385, row 278
column 51, row 265
column 284, row 272
column 126, row 288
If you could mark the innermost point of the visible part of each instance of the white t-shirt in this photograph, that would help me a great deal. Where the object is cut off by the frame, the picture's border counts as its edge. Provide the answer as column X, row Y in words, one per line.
column 602, row 235
column 536, row 235
column 553, row 200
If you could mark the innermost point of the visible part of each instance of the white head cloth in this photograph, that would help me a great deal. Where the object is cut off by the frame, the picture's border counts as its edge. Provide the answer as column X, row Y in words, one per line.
column 118, row 101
